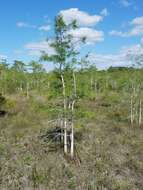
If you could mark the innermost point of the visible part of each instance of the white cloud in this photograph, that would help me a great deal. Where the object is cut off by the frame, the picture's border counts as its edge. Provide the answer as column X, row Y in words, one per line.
column 85, row 22
column 21, row 24
column 104, row 12
column 36, row 48
column 3, row 57
column 24, row 25
column 136, row 30
column 137, row 21
column 45, row 28
column 125, row 3
column 82, row 18
column 92, row 35
column 134, row 50
column 104, row 61
column 133, row 32
column 117, row 33
column 126, row 57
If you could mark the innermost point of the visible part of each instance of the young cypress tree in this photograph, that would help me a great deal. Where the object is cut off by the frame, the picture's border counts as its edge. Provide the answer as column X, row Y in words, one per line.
column 65, row 52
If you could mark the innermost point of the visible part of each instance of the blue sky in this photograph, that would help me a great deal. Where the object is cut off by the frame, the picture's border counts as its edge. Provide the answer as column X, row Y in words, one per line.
column 24, row 25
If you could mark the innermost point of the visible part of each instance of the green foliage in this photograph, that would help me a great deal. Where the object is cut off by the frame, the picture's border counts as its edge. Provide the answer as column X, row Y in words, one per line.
column 62, row 44
column 18, row 66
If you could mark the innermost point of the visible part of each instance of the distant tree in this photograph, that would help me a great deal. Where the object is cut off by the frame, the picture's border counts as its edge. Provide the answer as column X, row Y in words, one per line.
column 3, row 64
column 139, row 61
column 37, row 72
column 19, row 66
column 36, row 67
column 18, row 74
column 3, row 74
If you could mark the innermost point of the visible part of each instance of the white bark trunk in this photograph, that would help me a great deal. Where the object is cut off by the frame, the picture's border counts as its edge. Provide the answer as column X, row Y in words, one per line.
column 65, row 137
column 140, row 113
column 74, row 81
column 72, row 140
column 27, row 90
column 65, row 120
column 72, row 132
column 131, row 116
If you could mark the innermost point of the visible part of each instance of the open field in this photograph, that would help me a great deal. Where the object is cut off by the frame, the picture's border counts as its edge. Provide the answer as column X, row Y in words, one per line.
column 109, row 150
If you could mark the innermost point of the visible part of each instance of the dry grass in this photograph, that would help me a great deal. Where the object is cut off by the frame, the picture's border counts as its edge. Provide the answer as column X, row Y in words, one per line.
column 111, row 151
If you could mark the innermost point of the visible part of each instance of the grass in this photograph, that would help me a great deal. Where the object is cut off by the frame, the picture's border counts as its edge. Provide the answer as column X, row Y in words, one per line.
column 110, row 149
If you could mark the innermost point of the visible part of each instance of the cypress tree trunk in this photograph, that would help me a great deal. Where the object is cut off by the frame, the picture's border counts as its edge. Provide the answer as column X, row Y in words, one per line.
column 27, row 89
column 140, row 113
column 72, row 119
column 65, row 119
column 74, row 83
column 72, row 132
column 131, row 110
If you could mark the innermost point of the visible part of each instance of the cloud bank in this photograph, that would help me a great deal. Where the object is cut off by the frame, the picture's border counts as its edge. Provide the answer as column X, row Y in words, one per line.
column 82, row 18
column 86, row 22
column 125, row 3
column 126, row 57
column 2, row 57
column 36, row 48
column 136, row 29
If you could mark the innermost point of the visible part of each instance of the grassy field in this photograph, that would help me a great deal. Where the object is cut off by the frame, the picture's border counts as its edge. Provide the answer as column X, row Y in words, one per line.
column 108, row 155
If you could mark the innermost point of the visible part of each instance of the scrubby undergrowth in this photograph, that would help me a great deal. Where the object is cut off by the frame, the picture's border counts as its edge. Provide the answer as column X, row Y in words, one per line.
column 108, row 155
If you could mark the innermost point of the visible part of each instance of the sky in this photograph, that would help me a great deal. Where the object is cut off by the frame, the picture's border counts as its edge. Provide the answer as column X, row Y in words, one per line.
column 114, row 29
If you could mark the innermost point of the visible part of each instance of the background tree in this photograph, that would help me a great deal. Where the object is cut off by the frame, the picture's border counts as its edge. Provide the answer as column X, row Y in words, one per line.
column 37, row 75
